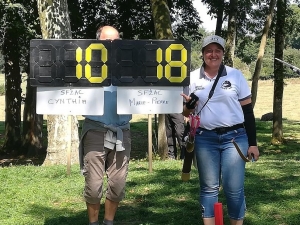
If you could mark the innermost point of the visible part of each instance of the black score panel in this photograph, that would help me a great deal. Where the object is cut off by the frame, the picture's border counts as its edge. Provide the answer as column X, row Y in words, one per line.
column 86, row 63
column 65, row 63
column 151, row 63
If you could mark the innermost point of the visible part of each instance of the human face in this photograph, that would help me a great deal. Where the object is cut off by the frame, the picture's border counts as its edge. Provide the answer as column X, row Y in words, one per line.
column 213, row 55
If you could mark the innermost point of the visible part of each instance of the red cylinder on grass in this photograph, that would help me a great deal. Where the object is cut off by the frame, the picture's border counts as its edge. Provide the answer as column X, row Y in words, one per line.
column 218, row 209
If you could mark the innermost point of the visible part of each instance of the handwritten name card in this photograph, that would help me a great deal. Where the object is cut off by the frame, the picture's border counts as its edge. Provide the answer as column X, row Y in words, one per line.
column 70, row 100
column 148, row 100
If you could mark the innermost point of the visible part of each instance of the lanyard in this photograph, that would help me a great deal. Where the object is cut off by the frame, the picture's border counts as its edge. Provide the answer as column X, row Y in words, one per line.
column 211, row 92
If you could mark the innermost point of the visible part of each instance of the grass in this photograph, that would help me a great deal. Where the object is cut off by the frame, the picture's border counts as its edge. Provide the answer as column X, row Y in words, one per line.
column 36, row 195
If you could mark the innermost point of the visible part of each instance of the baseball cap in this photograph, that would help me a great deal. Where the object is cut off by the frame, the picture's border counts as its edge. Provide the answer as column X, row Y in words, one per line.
column 213, row 39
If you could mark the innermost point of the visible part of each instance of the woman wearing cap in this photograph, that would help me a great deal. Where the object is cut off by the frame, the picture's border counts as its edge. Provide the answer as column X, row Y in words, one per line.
column 227, row 124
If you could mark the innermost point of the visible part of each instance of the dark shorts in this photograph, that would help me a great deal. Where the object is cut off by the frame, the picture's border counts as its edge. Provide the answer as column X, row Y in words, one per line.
column 98, row 161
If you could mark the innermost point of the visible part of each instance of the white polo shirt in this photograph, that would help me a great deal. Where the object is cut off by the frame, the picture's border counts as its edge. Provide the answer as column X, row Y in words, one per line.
column 223, row 109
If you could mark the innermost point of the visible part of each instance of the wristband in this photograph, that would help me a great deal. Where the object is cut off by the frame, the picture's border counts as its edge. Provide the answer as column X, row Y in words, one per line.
column 250, row 124
column 192, row 102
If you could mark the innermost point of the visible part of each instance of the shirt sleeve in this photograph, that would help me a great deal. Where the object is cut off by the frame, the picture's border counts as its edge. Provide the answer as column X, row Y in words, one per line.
column 244, row 90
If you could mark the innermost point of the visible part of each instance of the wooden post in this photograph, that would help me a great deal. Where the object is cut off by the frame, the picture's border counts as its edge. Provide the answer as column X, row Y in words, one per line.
column 150, row 142
column 69, row 145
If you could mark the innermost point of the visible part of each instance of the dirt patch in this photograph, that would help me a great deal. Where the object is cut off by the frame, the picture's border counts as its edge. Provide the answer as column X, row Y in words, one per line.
column 11, row 160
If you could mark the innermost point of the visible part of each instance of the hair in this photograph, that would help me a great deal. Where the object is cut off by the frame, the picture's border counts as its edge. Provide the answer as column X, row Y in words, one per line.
column 98, row 33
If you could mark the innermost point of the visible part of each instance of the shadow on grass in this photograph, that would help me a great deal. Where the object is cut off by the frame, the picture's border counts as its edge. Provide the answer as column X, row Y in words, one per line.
column 162, row 198
column 157, row 199
column 9, row 159
column 289, row 149
column 59, row 216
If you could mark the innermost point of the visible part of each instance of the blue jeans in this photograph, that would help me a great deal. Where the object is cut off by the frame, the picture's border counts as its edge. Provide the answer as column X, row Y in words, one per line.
column 217, row 158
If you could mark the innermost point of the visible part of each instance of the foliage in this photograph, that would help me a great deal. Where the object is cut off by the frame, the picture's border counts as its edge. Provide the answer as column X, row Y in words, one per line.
column 47, row 196
column 27, row 29
column 1, row 63
column 196, row 47
column 196, row 60
column 242, row 67
column 250, row 13
column 293, row 28
column 132, row 18
column 291, row 56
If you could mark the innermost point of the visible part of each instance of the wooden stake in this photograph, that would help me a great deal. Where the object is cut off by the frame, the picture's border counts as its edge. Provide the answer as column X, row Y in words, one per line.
column 69, row 145
column 150, row 142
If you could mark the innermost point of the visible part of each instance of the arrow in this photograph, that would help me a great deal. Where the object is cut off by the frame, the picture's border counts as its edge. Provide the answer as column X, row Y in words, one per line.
column 294, row 68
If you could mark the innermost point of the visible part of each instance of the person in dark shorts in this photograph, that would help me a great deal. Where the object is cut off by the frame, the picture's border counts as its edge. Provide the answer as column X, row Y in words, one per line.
column 105, row 150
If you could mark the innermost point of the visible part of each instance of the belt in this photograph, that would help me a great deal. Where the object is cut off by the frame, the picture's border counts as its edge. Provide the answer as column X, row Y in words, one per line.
column 223, row 130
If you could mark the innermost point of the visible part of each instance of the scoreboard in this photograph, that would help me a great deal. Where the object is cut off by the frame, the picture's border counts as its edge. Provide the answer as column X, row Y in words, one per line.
column 92, row 63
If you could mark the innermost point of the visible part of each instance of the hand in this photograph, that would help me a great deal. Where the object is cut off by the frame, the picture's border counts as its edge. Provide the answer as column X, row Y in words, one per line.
column 192, row 102
column 186, row 120
column 187, row 111
column 186, row 97
column 253, row 152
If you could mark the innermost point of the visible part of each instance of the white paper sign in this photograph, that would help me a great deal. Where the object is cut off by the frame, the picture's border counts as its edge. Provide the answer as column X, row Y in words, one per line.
column 70, row 100
column 149, row 100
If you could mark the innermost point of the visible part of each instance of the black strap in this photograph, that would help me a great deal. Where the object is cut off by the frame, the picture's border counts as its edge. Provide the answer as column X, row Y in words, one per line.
column 213, row 87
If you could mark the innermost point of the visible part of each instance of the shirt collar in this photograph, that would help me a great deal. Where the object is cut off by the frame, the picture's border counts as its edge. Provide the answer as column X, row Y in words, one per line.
column 202, row 74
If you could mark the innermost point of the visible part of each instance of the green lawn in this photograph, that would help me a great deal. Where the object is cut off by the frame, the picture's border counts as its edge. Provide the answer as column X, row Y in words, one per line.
column 36, row 195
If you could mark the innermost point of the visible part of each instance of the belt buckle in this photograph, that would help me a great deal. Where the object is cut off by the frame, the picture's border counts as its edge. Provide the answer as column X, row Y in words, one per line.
column 221, row 130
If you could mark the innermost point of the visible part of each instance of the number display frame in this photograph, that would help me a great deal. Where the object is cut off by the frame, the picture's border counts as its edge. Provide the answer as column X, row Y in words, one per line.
column 92, row 63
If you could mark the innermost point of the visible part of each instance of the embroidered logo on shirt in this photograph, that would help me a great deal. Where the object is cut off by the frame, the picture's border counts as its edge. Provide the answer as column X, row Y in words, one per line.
column 199, row 87
column 226, row 85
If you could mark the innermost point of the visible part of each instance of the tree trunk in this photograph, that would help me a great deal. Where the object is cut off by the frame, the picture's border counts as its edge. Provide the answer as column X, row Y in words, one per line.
column 32, row 134
column 11, row 52
column 162, row 20
column 261, row 52
column 277, row 134
column 220, row 14
column 231, row 35
column 32, row 141
column 55, row 23
column 163, row 30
